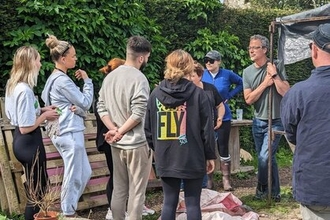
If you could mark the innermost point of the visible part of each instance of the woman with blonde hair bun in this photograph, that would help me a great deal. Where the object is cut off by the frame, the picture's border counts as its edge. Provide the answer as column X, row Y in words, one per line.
column 68, row 138
column 177, row 126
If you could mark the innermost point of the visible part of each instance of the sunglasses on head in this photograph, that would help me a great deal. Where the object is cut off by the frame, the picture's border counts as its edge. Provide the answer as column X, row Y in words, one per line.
column 208, row 60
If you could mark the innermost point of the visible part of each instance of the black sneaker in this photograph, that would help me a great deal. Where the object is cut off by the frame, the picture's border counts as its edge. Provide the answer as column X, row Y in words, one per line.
column 260, row 195
column 277, row 198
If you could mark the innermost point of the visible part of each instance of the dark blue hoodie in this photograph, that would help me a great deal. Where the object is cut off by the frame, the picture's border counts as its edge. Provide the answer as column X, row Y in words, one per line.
column 179, row 128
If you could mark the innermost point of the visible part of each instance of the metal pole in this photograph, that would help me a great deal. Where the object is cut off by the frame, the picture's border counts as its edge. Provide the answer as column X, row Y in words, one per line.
column 270, row 113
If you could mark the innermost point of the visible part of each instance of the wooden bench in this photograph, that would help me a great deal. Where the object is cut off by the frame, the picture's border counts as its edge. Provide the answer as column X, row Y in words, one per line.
column 12, row 199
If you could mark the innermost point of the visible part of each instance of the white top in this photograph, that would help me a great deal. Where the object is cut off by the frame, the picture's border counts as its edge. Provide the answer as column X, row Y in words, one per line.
column 22, row 107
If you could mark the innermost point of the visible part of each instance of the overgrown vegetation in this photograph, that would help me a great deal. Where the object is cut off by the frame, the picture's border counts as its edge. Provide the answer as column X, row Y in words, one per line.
column 99, row 28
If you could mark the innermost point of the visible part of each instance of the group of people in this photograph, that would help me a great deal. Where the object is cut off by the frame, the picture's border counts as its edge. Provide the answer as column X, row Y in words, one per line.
column 181, row 122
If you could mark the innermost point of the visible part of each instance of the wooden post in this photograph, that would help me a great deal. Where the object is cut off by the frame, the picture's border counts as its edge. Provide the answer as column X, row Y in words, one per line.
column 270, row 117
column 7, row 180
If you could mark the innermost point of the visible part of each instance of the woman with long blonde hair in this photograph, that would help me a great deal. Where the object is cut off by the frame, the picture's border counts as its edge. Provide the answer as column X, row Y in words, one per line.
column 24, row 112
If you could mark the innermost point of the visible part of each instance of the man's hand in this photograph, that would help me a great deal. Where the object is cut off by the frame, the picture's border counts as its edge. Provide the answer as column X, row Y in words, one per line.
column 268, row 80
column 271, row 70
column 113, row 136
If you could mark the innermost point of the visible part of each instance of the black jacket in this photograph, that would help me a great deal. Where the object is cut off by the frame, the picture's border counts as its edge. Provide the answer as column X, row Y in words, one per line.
column 100, row 130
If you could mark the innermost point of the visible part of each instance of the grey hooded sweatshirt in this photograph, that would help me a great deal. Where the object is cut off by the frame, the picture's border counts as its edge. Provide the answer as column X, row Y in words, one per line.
column 62, row 92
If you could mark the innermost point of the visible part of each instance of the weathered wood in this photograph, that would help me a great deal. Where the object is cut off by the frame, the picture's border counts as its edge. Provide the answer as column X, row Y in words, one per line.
column 3, row 200
column 2, row 109
column 94, row 194
column 8, row 182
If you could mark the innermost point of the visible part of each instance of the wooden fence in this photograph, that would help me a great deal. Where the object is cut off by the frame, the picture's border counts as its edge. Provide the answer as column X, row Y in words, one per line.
column 13, row 199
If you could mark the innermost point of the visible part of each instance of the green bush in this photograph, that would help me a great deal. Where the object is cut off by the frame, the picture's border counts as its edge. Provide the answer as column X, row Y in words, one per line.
column 97, row 28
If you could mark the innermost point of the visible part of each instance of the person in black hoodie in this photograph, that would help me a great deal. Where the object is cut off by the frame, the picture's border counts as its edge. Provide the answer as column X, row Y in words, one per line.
column 177, row 127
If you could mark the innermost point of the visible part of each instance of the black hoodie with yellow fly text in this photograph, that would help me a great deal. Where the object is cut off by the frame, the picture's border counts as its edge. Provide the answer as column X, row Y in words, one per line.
column 179, row 128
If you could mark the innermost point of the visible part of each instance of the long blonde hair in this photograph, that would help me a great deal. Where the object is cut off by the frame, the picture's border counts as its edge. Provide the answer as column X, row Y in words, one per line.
column 24, row 68
column 57, row 47
column 179, row 64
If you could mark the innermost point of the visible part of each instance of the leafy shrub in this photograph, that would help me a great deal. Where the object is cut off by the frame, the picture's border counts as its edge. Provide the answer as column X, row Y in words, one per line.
column 97, row 28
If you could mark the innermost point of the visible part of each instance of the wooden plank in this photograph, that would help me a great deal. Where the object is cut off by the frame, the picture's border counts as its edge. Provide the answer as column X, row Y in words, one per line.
column 94, row 194
column 93, row 201
column 234, row 143
column 2, row 109
column 4, row 206
column 96, row 185
column 154, row 183
column 234, row 148
column 9, row 139
column 8, row 182
column 240, row 123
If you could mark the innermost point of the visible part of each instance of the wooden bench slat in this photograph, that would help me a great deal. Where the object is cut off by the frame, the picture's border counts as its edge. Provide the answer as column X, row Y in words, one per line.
column 94, row 195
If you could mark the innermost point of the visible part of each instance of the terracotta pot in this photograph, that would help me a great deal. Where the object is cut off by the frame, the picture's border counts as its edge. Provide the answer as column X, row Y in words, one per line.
column 51, row 215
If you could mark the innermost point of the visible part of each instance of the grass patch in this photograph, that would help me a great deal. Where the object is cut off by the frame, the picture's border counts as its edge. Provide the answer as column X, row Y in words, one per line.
column 280, row 208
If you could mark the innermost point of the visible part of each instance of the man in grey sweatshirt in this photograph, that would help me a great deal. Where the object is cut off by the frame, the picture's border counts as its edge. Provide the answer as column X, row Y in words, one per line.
column 122, row 105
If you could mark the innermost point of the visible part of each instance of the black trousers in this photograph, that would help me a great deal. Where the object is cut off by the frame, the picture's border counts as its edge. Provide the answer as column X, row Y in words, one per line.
column 26, row 147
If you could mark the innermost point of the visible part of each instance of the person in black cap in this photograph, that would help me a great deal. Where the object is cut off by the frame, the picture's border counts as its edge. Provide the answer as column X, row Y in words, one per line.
column 305, row 117
column 223, row 80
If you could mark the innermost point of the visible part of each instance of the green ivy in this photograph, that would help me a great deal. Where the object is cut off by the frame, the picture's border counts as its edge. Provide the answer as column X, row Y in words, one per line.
column 97, row 28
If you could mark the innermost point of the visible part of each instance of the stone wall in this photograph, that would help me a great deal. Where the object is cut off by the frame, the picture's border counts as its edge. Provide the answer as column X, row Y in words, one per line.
column 237, row 3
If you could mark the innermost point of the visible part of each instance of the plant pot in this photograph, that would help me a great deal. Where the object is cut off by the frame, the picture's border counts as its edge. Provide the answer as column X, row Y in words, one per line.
column 51, row 215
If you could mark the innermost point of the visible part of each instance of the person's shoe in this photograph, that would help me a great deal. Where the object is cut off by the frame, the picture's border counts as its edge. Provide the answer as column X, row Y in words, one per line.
column 277, row 198
column 260, row 195
column 109, row 215
column 147, row 211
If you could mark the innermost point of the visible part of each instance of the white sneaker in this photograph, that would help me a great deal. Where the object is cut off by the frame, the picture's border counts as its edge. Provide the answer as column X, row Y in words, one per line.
column 109, row 215
column 147, row 211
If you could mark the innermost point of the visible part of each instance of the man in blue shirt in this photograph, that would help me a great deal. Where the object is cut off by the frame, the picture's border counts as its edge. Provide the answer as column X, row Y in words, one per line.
column 305, row 117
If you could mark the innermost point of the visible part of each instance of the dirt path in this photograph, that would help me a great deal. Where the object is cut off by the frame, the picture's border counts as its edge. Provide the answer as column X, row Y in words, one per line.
column 243, row 188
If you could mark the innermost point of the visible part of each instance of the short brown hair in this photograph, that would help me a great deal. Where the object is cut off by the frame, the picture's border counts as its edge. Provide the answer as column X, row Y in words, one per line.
column 198, row 68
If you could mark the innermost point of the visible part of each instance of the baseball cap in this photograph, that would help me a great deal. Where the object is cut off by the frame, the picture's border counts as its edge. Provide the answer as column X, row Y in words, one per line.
column 213, row 54
column 321, row 37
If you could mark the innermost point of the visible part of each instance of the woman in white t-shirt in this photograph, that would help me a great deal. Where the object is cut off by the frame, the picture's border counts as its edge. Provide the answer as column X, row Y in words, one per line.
column 24, row 112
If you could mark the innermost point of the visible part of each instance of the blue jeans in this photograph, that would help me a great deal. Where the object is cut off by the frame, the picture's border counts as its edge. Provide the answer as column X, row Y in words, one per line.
column 260, row 136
